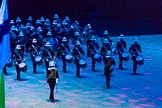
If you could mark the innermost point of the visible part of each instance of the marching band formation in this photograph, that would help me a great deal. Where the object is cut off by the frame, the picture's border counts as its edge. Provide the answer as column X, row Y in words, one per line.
column 47, row 40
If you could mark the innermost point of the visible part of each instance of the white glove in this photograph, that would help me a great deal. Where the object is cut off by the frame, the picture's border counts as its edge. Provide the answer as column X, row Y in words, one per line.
column 56, row 80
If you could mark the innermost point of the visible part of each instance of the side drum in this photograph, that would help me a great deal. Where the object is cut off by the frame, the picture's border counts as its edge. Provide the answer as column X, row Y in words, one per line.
column 39, row 60
column 69, row 58
column 140, row 60
column 125, row 56
column 83, row 63
column 23, row 67
column 98, row 57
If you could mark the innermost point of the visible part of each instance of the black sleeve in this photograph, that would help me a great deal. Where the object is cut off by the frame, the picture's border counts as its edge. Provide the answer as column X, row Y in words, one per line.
column 130, row 49
column 68, row 48
column 140, row 49
column 82, row 51
column 124, row 44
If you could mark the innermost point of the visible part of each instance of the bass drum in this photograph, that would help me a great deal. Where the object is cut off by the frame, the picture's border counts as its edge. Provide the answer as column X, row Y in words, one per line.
column 140, row 60
column 39, row 60
column 23, row 67
column 83, row 63
column 98, row 57
column 69, row 58
column 125, row 56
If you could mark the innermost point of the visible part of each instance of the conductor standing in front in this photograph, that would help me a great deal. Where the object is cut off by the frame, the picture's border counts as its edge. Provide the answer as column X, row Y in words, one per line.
column 109, row 67
column 52, row 79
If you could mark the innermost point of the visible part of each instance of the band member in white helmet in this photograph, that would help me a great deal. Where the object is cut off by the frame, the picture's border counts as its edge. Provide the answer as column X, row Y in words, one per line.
column 105, row 47
column 34, row 52
column 64, row 49
column 78, row 53
column 135, row 50
column 18, row 58
column 48, row 54
column 109, row 67
column 121, row 47
column 52, row 78
column 94, row 48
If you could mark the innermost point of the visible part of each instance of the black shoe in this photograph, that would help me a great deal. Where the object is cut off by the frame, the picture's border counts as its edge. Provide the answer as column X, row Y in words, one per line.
column 108, row 86
column 120, row 67
column 19, row 79
column 6, row 74
column 52, row 100
column 78, row 76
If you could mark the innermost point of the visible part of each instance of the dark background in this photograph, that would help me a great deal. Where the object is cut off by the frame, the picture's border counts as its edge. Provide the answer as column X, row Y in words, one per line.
column 130, row 17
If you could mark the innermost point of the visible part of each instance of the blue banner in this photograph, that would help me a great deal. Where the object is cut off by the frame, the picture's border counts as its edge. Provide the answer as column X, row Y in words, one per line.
column 4, row 35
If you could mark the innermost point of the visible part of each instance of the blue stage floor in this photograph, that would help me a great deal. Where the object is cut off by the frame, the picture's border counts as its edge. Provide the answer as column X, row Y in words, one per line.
column 143, row 90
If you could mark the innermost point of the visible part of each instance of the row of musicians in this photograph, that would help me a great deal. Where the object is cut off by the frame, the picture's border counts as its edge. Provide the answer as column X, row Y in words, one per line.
column 77, row 52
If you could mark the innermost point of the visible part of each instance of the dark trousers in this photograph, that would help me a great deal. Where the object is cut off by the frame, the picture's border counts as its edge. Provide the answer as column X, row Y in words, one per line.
column 34, row 65
column 77, row 68
column 52, row 83
column 134, row 65
column 107, row 73
column 88, row 52
column 47, row 65
column 18, row 72
column 88, row 49
column 64, row 62
column 120, row 61
column 93, row 63
column 5, row 70
column 58, row 53
column 108, row 81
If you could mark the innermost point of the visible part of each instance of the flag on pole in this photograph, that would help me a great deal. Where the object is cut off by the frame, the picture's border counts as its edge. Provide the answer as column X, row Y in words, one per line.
column 4, row 47
column 4, row 34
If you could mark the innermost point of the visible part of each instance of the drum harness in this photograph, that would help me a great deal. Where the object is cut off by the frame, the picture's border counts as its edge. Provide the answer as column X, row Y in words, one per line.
column 21, row 59
column 49, row 54
column 104, row 46
column 66, row 50
column 37, row 53
column 138, row 52
column 67, row 54
column 50, row 57
column 97, row 52
column 81, row 56
column 124, row 49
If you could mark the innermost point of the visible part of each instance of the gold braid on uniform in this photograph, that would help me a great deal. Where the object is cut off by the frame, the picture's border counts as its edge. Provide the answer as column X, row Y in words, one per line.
column 53, row 73
column 108, row 63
